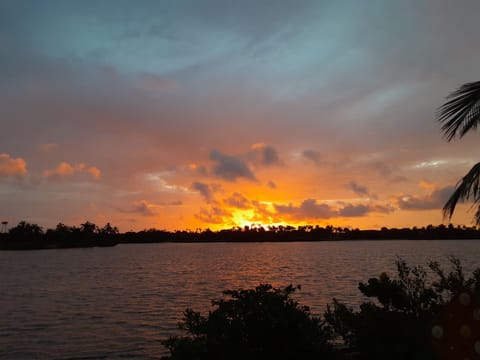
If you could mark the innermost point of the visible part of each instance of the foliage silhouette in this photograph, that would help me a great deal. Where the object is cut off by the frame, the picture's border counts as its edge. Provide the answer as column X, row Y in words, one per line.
column 399, row 324
column 26, row 236
column 25, row 229
column 260, row 323
column 459, row 115
column 31, row 236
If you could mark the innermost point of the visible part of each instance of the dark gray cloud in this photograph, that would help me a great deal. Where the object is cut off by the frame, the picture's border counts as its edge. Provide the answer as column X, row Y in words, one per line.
column 213, row 215
column 383, row 209
column 312, row 209
column 434, row 200
column 354, row 210
column 272, row 185
column 382, row 168
column 262, row 154
column 314, row 156
column 238, row 201
column 143, row 208
column 357, row 188
column 308, row 209
column 204, row 190
column 230, row 168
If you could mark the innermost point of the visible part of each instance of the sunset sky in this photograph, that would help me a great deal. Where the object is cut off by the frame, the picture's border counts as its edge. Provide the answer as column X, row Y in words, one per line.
column 217, row 113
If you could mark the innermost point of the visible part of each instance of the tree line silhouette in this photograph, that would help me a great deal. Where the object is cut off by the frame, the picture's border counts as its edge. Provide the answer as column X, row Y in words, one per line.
column 31, row 236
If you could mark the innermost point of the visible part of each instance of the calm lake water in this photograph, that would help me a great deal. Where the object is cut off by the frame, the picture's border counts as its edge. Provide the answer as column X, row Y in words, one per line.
column 117, row 303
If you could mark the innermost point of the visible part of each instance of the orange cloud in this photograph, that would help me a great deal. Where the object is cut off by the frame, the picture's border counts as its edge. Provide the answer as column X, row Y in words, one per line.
column 94, row 171
column 10, row 166
column 427, row 185
column 64, row 169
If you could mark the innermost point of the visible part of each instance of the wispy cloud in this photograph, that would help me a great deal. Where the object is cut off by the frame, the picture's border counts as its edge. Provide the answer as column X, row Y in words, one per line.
column 48, row 147
column 357, row 189
column 205, row 190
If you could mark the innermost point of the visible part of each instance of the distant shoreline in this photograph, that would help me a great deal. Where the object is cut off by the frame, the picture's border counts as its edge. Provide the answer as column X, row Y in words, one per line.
column 30, row 246
column 31, row 237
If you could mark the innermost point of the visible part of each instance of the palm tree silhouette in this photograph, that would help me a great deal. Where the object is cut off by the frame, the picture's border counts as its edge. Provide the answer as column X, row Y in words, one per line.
column 459, row 115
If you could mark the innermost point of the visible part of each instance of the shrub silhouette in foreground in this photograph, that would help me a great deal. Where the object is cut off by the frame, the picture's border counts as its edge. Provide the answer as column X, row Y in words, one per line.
column 399, row 324
column 416, row 315
column 260, row 323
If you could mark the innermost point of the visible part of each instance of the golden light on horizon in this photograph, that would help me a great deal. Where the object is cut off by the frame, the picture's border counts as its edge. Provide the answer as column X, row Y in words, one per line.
column 243, row 218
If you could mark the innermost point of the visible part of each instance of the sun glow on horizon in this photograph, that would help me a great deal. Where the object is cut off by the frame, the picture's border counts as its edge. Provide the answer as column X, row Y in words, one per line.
column 243, row 218
column 253, row 219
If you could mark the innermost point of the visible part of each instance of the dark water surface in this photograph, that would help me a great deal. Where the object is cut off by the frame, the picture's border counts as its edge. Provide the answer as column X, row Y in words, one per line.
column 117, row 303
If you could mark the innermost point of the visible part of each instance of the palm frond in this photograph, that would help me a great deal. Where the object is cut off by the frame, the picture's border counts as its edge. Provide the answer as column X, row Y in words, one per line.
column 476, row 218
column 461, row 112
column 468, row 188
